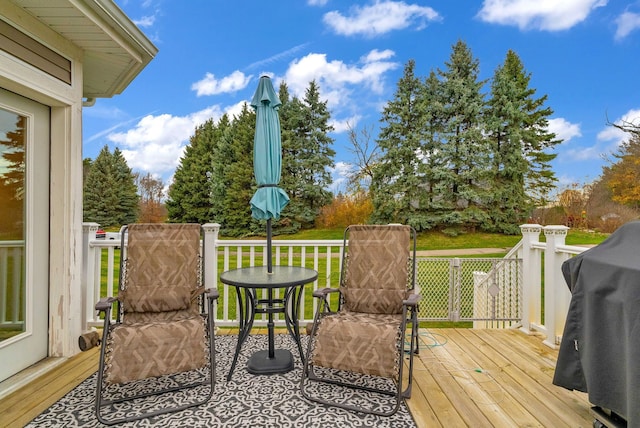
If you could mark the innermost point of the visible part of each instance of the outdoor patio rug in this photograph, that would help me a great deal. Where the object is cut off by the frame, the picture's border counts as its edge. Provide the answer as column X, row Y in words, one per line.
column 245, row 401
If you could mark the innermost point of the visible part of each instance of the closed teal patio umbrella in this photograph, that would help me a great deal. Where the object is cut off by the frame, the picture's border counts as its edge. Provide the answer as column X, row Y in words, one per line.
column 269, row 199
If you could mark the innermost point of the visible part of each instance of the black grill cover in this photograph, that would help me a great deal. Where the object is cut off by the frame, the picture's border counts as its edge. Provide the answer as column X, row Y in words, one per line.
column 600, row 349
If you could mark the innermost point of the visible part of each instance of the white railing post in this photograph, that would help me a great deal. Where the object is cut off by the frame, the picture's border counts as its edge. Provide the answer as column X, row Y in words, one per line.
column 531, row 292
column 556, row 292
column 211, row 231
column 88, row 273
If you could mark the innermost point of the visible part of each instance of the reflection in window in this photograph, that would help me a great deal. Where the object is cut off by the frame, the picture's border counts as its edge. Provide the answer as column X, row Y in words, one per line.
column 12, row 223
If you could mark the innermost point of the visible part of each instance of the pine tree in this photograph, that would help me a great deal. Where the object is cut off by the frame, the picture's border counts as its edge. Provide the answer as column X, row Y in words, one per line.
column 237, row 151
column 128, row 205
column 290, row 113
column 515, row 127
column 100, row 195
column 434, row 162
column 190, row 193
column 398, row 178
column 307, row 155
column 12, row 179
column 110, row 194
column 465, row 152
column 219, row 161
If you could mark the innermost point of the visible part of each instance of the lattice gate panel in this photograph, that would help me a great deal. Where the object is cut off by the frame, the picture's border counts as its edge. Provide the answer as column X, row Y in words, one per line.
column 487, row 291
column 434, row 282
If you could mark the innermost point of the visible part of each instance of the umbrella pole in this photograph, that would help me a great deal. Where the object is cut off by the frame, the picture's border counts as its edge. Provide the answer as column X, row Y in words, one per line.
column 269, row 263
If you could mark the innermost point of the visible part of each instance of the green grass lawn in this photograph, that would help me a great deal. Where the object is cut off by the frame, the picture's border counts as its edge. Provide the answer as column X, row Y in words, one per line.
column 440, row 241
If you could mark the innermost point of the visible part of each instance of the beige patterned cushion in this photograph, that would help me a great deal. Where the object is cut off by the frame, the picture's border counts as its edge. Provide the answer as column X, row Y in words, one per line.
column 162, row 331
column 376, row 273
column 363, row 343
column 148, row 350
column 162, row 267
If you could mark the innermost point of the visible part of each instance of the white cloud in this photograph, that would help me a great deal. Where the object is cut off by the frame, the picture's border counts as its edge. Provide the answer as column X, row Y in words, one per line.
column 212, row 86
column 626, row 23
column 584, row 153
column 344, row 125
column 608, row 141
column 339, row 174
column 549, row 15
column 376, row 55
column 564, row 129
column 145, row 21
column 317, row 2
column 617, row 136
column 381, row 17
column 337, row 79
column 156, row 143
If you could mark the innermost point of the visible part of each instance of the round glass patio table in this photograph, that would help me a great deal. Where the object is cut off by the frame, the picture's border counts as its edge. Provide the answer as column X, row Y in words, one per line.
column 248, row 282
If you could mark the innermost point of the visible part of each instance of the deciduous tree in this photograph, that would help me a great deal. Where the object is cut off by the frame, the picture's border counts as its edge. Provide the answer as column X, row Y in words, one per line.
column 623, row 174
column 151, row 190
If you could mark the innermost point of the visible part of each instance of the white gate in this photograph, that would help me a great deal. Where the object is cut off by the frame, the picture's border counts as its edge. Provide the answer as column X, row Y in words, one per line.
column 487, row 291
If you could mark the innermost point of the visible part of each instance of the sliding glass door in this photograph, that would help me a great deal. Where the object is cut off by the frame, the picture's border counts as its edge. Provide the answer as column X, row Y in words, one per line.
column 24, row 232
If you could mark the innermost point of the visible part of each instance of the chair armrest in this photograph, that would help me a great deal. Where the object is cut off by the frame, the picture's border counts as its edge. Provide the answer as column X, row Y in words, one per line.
column 105, row 303
column 212, row 293
column 323, row 292
column 412, row 300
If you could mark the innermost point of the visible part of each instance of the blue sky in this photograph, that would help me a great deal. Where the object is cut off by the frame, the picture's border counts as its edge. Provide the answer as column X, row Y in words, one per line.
column 583, row 54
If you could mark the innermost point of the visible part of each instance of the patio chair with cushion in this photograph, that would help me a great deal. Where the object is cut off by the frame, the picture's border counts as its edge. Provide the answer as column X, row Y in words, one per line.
column 361, row 345
column 162, row 339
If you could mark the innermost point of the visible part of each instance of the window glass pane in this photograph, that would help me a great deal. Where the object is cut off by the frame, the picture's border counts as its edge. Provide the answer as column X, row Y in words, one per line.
column 12, row 227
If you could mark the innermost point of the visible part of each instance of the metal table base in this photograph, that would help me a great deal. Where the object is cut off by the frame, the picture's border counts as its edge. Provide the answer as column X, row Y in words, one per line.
column 247, row 282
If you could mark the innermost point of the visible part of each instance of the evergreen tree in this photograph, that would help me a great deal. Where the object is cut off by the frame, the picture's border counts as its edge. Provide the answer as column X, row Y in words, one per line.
column 434, row 162
column 100, row 195
column 128, row 205
column 12, row 179
column 465, row 152
column 397, row 184
column 110, row 194
column 237, row 152
column 190, row 193
column 219, row 161
column 516, row 129
column 307, row 156
column 290, row 113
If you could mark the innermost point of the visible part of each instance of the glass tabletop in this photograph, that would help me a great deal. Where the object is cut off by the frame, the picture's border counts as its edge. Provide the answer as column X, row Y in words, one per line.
column 258, row 277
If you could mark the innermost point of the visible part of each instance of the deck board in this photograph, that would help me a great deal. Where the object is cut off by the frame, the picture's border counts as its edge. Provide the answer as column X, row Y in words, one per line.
column 513, row 388
column 479, row 378
column 510, row 381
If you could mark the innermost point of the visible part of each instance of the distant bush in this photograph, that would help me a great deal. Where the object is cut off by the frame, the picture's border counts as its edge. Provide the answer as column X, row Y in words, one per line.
column 345, row 210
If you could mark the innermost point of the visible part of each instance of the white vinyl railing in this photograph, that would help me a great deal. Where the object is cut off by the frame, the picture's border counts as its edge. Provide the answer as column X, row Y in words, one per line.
column 545, row 293
column 546, row 296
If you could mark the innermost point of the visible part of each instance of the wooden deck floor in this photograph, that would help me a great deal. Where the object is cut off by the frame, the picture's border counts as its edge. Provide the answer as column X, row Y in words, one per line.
column 462, row 378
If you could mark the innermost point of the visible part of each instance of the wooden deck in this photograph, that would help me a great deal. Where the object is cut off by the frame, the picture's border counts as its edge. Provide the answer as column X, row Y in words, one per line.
column 462, row 378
